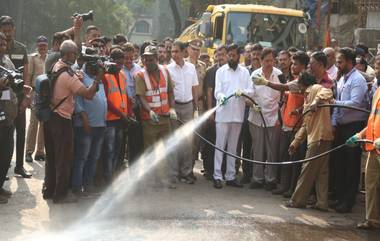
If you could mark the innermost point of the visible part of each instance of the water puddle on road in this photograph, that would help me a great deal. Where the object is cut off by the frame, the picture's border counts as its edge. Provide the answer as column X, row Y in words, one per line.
column 100, row 216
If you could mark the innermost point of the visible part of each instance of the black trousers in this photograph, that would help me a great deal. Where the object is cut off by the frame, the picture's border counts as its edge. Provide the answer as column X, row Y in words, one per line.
column 20, row 124
column 347, row 164
column 208, row 151
column 6, row 150
column 246, row 142
column 59, row 145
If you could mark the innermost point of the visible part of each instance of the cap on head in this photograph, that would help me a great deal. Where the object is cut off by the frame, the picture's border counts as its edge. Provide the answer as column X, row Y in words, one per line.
column 150, row 50
column 6, row 20
column 42, row 40
column 196, row 43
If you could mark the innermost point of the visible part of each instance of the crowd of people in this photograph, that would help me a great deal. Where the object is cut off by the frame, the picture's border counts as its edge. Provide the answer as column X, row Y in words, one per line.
column 101, row 119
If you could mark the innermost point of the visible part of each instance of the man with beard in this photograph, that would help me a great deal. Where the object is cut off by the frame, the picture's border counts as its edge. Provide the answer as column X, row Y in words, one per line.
column 162, row 54
column 155, row 92
column 230, row 79
column 284, row 62
column 351, row 91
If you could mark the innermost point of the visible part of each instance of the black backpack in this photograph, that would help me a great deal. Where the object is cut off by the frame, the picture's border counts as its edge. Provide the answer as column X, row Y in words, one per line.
column 44, row 87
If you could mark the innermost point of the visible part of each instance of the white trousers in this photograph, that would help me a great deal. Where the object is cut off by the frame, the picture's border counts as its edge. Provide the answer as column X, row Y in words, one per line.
column 227, row 137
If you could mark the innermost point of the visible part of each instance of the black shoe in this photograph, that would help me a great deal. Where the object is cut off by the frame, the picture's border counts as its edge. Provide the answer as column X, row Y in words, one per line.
column 5, row 193
column 343, row 208
column 245, row 180
column 270, row 186
column 255, row 185
column 40, row 158
column 218, row 184
column 28, row 157
column 234, row 183
column 22, row 172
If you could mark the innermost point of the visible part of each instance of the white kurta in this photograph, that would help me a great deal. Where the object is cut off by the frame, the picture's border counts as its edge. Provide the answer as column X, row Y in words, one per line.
column 227, row 82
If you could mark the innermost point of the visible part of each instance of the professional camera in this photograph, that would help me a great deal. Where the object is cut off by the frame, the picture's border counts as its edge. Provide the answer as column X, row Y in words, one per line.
column 93, row 60
column 15, row 79
column 85, row 16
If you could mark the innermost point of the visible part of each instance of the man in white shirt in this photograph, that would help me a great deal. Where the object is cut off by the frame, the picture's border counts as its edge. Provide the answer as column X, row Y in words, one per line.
column 332, row 70
column 185, row 81
column 265, row 136
column 231, row 78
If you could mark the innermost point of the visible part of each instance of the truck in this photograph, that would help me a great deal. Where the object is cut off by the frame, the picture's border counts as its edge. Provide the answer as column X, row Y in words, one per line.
column 279, row 28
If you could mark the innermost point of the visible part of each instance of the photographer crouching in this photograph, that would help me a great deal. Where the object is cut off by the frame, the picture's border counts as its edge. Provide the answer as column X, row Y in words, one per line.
column 58, row 130
column 8, row 113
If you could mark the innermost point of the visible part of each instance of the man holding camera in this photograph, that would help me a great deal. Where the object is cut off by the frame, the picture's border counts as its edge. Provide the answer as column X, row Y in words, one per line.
column 58, row 130
column 8, row 113
column 117, row 114
column 19, row 57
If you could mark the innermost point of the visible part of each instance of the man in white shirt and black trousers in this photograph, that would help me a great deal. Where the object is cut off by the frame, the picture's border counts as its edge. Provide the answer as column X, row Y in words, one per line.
column 185, row 81
column 230, row 79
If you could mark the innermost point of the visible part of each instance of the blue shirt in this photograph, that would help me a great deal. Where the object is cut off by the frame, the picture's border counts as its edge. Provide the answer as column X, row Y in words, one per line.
column 130, row 81
column 351, row 91
column 96, row 108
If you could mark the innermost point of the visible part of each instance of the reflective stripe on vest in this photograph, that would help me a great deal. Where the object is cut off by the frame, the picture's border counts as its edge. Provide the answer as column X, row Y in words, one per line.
column 157, row 97
column 373, row 125
column 116, row 95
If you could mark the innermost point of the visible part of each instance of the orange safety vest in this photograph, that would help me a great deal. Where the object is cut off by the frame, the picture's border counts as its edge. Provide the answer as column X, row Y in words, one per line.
column 373, row 126
column 117, row 94
column 156, row 95
column 295, row 101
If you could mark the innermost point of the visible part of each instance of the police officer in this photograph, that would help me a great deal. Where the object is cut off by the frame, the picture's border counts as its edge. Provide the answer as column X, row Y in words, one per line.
column 194, row 50
column 8, row 113
column 18, row 55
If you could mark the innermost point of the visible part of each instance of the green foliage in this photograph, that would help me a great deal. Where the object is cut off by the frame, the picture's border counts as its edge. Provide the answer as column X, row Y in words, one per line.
column 45, row 17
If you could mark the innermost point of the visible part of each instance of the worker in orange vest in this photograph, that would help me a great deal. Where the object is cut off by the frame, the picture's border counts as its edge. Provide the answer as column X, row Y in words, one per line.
column 372, row 169
column 155, row 92
column 117, row 114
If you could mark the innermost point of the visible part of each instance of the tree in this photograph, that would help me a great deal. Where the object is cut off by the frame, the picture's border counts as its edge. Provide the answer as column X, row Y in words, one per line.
column 42, row 17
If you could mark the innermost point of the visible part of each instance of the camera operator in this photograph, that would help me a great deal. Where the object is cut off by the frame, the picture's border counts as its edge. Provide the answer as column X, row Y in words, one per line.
column 89, row 130
column 117, row 115
column 19, row 57
column 58, row 130
column 8, row 113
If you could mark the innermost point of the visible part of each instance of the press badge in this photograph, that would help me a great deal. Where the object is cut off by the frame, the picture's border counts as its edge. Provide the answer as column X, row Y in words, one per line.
column 122, row 105
column 156, row 98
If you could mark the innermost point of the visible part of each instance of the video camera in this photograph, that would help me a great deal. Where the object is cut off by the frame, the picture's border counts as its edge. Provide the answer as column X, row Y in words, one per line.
column 15, row 79
column 94, row 60
column 85, row 16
